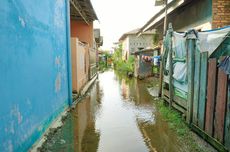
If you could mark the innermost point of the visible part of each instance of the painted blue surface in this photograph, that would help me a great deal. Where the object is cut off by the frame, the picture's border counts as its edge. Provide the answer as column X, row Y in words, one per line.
column 34, row 69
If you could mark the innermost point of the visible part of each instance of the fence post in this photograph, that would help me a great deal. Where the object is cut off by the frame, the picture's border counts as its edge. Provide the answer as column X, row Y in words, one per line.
column 196, row 83
column 161, row 77
column 191, row 41
column 203, row 89
column 227, row 119
column 170, row 30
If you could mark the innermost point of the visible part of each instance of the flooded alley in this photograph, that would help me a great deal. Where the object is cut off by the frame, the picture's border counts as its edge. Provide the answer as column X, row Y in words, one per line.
column 117, row 115
column 115, row 75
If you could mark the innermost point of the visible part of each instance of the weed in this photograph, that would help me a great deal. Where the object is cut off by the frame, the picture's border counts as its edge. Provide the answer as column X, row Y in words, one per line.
column 177, row 123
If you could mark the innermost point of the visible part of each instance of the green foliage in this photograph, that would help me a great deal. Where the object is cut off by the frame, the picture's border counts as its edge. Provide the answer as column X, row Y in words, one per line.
column 177, row 123
column 102, row 66
column 121, row 65
column 117, row 56
column 103, row 60
column 174, row 118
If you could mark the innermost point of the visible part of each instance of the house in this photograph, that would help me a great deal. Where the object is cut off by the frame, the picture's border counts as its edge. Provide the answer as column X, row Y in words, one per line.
column 192, row 81
column 35, row 61
column 190, row 14
column 83, row 44
column 131, row 42
column 98, row 42
column 144, row 68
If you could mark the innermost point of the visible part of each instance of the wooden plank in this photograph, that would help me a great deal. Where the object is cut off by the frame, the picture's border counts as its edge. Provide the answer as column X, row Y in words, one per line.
column 178, row 100
column 209, row 139
column 174, row 105
column 171, row 91
column 211, row 96
column 221, row 99
column 227, row 119
column 190, row 71
column 161, row 79
column 203, row 88
column 196, row 87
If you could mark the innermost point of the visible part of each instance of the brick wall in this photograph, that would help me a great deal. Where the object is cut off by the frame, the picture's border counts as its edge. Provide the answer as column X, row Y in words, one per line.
column 221, row 13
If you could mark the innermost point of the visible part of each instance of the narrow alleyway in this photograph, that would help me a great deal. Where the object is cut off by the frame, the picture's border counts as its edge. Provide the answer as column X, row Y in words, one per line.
column 118, row 115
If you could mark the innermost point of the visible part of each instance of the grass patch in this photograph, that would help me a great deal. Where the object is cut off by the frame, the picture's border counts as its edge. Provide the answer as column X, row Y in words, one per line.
column 177, row 123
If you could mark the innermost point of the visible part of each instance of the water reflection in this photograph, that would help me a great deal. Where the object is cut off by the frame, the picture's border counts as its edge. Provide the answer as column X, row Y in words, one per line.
column 118, row 116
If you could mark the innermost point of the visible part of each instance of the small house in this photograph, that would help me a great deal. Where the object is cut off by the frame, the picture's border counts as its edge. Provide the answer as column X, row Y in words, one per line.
column 131, row 42
column 83, row 48
column 143, row 66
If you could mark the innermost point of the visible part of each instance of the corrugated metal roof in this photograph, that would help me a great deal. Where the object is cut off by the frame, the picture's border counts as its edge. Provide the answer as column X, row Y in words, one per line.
column 134, row 32
column 82, row 10
column 172, row 6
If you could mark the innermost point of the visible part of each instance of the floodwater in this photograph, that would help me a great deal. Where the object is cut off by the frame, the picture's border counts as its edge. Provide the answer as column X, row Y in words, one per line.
column 118, row 115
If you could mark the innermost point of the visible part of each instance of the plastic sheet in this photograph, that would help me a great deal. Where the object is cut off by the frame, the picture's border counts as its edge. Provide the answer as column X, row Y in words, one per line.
column 225, row 65
column 207, row 42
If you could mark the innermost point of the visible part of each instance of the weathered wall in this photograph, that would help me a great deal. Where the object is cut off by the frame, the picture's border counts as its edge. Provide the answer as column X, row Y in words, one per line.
column 125, row 48
column 80, row 64
column 33, row 69
column 197, row 14
column 82, row 31
column 143, row 41
column 193, row 15
column 145, row 69
column 221, row 13
column 132, row 43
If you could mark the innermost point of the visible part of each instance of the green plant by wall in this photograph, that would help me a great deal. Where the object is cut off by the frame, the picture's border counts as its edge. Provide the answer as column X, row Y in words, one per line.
column 104, row 59
column 122, row 65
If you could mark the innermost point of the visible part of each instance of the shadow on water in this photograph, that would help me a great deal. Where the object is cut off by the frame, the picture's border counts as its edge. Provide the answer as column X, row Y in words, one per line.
column 118, row 115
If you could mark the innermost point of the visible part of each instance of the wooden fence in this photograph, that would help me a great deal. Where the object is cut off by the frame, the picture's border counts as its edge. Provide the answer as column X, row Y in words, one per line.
column 93, row 60
column 207, row 107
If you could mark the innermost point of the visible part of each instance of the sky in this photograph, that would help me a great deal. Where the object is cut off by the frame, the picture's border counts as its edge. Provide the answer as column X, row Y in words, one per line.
column 117, row 17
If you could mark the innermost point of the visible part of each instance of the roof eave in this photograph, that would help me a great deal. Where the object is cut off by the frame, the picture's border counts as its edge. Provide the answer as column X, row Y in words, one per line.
column 83, row 10
column 172, row 6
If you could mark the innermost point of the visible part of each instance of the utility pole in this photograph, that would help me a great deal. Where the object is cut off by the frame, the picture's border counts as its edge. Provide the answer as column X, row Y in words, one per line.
column 165, row 19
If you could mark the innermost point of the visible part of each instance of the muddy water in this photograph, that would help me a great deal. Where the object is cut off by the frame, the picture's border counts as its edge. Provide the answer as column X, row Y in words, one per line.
column 118, row 115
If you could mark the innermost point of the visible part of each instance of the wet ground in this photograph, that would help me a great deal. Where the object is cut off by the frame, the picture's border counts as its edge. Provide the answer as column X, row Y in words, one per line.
column 118, row 115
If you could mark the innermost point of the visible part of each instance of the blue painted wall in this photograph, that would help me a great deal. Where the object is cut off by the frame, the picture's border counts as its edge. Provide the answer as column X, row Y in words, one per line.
column 34, row 75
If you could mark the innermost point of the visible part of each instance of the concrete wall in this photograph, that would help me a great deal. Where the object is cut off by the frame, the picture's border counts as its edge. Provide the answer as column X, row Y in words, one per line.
column 142, row 41
column 132, row 43
column 82, row 31
column 34, row 63
column 125, row 48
